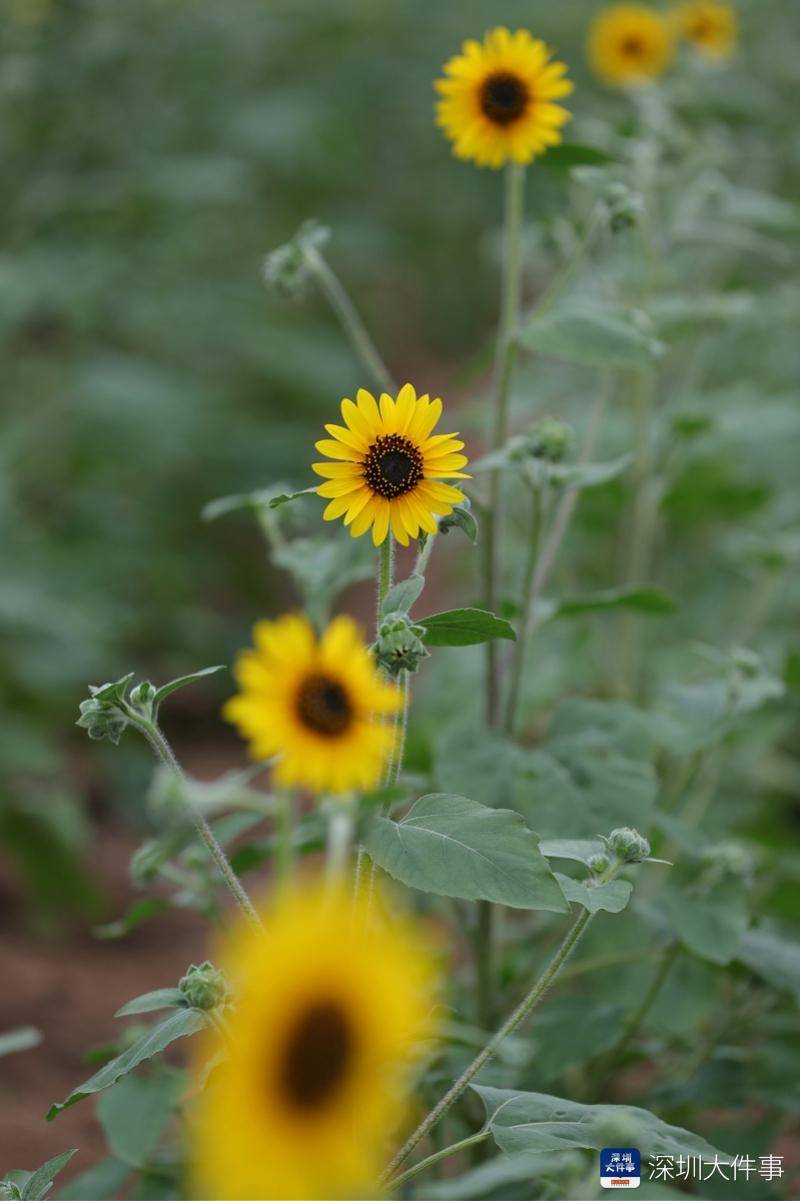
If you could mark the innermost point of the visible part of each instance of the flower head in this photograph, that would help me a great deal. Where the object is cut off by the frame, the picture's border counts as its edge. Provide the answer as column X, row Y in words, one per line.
column 318, row 703
column 630, row 44
column 710, row 25
column 331, row 1006
column 389, row 465
column 498, row 99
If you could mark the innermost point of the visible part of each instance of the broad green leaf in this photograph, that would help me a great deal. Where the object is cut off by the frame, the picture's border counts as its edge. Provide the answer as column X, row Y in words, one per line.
column 180, row 1024
column 612, row 896
column 580, row 850
column 401, row 597
column 472, row 760
column 134, row 915
column 775, row 958
column 39, row 1182
column 592, row 336
column 681, row 313
column 525, row 1122
column 160, row 998
column 614, row 724
column 464, row 627
column 105, row 1179
column 573, row 154
column 134, row 1114
column 456, row 847
column 20, row 1039
column 166, row 689
column 650, row 601
column 710, row 926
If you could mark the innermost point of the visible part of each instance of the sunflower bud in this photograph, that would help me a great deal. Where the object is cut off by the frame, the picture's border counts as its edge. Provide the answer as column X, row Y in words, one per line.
column 287, row 270
column 628, row 845
column 551, row 440
column 204, row 986
column 598, row 863
column 399, row 646
column 624, row 207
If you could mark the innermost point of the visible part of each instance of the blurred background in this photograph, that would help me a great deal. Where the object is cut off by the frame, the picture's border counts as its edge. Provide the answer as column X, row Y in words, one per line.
column 152, row 152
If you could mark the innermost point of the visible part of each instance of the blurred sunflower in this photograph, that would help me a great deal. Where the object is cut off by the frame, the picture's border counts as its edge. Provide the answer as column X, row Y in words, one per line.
column 390, row 466
column 318, row 703
column 331, row 1007
column 710, row 25
column 630, row 44
column 497, row 99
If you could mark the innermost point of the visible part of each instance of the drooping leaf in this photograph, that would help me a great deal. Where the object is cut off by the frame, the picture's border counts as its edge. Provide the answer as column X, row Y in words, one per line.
column 401, row 597
column 525, row 1122
column 180, row 1024
column 456, row 847
column 134, row 1114
column 461, row 518
column 20, row 1039
column 160, row 998
column 464, row 627
column 612, row 896
column 592, row 336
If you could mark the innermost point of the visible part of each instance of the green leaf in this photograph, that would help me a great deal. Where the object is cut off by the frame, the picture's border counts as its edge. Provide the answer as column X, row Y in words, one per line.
column 105, row 1179
column 464, row 627
column 775, row 958
column 612, row 896
column 134, row 915
column 166, row 689
column 134, row 1114
column 580, row 850
column 20, row 1039
column 709, row 926
column 401, row 597
column 456, row 847
column 591, row 336
column 481, row 1182
column 39, row 1182
column 521, row 1122
column 160, row 998
column 261, row 498
column 573, row 154
column 650, row 601
column 461, row 518
column 588, row 475
column 180, row 1024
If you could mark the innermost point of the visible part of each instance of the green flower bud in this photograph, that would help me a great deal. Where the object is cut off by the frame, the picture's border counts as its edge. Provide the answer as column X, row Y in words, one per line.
column 551, row 440
column 400, row 646
column 9, row 1191
column 142, row 697
column 628, row 845
column 598, row 863
column 624, row 207
column 204, row 986
column 287, row 270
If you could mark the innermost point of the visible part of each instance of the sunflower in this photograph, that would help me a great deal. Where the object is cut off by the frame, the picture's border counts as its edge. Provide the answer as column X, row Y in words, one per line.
column 331, row 1008
column 389, row 466
column 709, row 25
column 317, row 703
column 497, row 99
column 630, row 44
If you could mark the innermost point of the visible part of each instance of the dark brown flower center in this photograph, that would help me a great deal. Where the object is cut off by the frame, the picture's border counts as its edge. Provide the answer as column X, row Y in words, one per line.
column 318, row 1055
column 504, row 97
column 632, row 46
column 323, row 705
column 393, row 465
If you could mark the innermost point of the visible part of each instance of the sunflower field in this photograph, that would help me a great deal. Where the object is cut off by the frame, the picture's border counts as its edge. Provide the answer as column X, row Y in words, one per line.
column 400, row 428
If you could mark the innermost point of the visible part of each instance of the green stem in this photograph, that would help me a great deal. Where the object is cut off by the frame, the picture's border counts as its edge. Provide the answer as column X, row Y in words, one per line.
column 385, row 572
column 340, row 837
column 528, row 1003
column 353, row 326
column 437, row 1156
column 284, row 833
column 511, row 298
column 165, row 753
column 527, row 607
column 395, row 765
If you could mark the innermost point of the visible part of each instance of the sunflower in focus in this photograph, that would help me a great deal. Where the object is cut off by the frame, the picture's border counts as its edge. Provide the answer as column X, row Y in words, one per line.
column 498, row 99
column 331, row 1008
column 630, row 44
column 710, row 25
column 319, row 703
column 389, row 466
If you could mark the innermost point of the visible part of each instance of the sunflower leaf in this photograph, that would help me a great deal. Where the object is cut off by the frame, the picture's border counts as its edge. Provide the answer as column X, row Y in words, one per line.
column 651, row 601
column 573, row 154
column 592, row 336
column 179, row 1024
column 160, row 998
column 401, row 597
column 455, row 847
column 465, row 627
column 39, row 1182
column 612, row 896
column 167, row 689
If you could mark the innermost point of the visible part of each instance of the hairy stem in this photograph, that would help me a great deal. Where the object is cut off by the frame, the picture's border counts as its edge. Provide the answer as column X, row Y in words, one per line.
column 504, row 371
column 528, row 1003
column 437, row 1156
column 165, row 753
column 527, row 607
column 351, row 322
column 385, row 573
